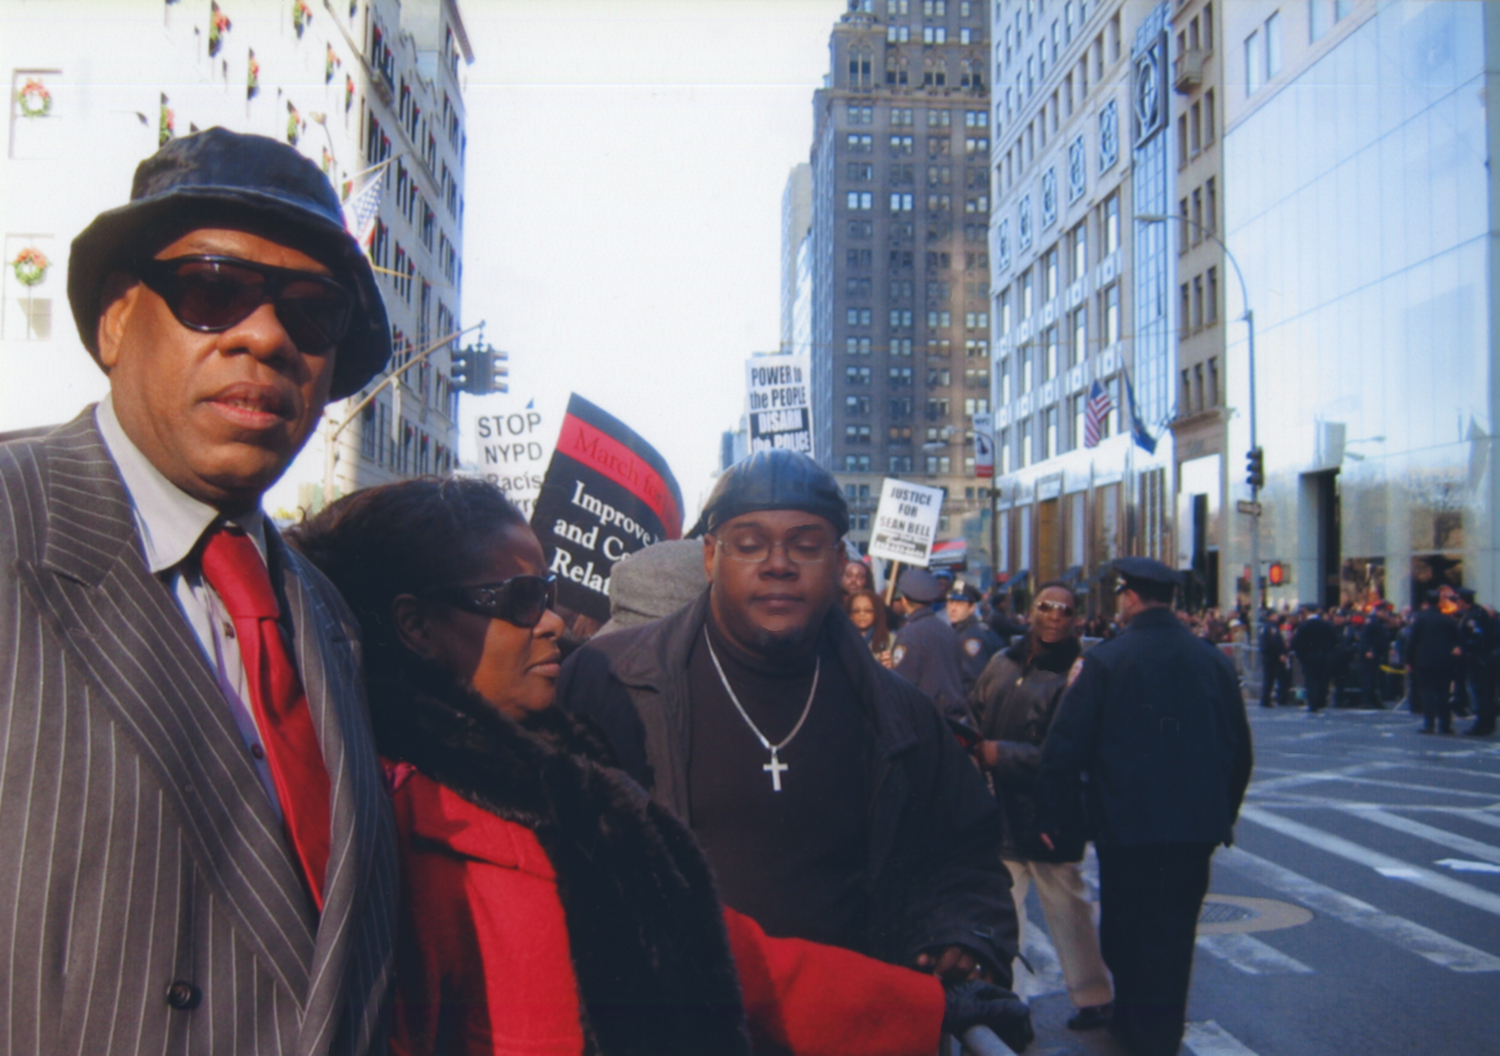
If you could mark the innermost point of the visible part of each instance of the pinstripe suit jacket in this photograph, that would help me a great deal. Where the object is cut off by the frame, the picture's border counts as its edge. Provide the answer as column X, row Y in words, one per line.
column 137, row 847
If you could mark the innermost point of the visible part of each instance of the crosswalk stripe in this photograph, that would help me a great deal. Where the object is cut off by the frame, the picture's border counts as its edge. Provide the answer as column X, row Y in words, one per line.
column 1250, row 955
column 1482, row 816
column 1281, row 784
column 1409, row 935
column 1210, row 1039
column 1348, row 849
column 1431, row 833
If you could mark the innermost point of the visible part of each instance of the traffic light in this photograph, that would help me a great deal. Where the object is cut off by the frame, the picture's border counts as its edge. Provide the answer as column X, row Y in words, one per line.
column 1255, row 467
column 473, row 370
column 499, row 371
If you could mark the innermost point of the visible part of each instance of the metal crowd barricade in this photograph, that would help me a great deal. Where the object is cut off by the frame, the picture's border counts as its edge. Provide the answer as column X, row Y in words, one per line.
column 977, row 1041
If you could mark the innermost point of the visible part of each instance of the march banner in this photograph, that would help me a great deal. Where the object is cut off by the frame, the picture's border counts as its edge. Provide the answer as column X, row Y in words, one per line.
column 779, row 402
column 607, row 494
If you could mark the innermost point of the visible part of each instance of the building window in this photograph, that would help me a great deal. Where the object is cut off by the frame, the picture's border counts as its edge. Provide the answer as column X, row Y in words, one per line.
column 901, row 144
column 859, row 200
column 1049, row 354
column 976, row 405
column 901, row 203
column 1077, row 170
column 1049, row 197
column 1080, row 335
column 1110, row 304
column 1049, row 274
column 1211, row 298
column 1110, row 212
column 1049, row 434
column 856, row 434
column 857, row 375
column 857, row 404
column 1023, row 223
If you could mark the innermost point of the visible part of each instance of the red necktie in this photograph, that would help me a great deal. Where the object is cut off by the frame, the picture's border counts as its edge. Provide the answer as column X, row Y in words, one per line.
column 233, row 567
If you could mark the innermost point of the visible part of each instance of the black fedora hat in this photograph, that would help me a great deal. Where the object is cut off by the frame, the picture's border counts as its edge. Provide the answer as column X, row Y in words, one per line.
column 218, row 177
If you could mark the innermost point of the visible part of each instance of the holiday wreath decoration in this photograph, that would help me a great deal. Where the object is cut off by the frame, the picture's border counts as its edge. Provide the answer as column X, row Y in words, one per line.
column 30, row 266
column 34, row 99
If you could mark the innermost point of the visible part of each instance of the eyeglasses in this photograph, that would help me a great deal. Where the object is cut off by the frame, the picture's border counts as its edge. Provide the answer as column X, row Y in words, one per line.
column 799, row 550
column 1059, row 607
column 211, row 293
column 1121, row 587
column 521, row 600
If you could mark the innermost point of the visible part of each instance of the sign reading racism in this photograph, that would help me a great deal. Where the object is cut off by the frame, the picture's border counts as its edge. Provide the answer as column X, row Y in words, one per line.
column 607, row 494
column 779, row 403
column 508, row 441
column 906, row 522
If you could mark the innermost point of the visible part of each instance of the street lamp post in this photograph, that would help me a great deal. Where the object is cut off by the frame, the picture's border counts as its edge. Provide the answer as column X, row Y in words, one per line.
column 330, row 452
column 1257, row 588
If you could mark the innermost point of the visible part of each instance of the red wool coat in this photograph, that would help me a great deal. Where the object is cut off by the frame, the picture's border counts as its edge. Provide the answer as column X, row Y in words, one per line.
column 483, row 963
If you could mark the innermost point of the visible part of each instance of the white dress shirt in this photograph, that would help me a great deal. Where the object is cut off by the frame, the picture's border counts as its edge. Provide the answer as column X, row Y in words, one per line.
column 171, row 523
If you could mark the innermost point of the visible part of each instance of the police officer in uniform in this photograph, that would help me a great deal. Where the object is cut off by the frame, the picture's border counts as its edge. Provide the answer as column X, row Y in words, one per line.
column 977, row 642
column 1477, row 641
column 1275, row 664
column 926, row 652
column 1155, row 719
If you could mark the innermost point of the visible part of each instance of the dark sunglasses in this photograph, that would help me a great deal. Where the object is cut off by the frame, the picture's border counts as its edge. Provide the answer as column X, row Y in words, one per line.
column 521, row 600
column 210, row 294
column 1062, row 608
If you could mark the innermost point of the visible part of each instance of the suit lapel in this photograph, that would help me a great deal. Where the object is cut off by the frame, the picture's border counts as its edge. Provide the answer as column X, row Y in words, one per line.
column 329, row 667
column 127, row 634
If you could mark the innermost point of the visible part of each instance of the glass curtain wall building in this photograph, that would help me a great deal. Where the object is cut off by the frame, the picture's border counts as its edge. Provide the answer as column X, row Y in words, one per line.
column 1359, row 201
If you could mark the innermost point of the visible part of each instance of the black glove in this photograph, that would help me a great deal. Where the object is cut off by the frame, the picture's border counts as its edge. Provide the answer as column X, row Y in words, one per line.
column 975, row 1002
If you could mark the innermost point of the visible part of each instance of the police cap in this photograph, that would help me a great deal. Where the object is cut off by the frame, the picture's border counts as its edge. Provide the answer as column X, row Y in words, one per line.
column 919, row 585
column 1145, row 570
column 965, row 591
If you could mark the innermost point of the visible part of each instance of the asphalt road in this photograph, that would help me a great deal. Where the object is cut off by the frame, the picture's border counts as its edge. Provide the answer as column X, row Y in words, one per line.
column 1358, row 912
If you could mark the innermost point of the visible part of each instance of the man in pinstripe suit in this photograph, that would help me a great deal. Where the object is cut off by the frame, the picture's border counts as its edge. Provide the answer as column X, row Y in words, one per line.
column 151, row 898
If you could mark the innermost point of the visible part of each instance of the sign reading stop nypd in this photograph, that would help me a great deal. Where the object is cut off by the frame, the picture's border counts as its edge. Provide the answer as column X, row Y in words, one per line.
column 906, row 522
column 607, row 494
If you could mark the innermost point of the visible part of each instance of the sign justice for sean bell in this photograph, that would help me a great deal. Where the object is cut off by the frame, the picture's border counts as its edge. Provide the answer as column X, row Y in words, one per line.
column 607, row 494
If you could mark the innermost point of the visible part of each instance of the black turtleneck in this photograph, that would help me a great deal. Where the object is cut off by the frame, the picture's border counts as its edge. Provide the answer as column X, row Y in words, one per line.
column 793, row 860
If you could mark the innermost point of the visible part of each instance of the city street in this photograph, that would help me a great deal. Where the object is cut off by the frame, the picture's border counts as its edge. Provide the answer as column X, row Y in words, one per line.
column 1359, row 910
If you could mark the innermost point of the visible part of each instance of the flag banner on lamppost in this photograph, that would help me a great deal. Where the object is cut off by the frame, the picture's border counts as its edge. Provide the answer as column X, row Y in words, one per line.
column 607, row 494
column 906, row 522
column 984, row 446
column 779, row 403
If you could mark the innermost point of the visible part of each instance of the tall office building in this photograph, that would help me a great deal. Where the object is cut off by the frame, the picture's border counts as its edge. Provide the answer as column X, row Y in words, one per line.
column 1204, row 465
column 1080, row 288
column 1361, row 200
column 95, row 88
column 899, row 261
column 796, row 274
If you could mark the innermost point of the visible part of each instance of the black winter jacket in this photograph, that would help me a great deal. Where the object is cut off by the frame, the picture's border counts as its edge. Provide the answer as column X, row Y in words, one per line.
column 1156, row 721
column 933, row 877
column 1014, row 705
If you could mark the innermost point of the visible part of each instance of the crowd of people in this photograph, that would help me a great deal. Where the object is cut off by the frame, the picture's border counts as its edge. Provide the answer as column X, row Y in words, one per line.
column 355, row 789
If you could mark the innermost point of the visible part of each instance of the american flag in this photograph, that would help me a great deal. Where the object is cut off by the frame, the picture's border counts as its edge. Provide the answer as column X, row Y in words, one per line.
column 1098, row 409
column 361, row 208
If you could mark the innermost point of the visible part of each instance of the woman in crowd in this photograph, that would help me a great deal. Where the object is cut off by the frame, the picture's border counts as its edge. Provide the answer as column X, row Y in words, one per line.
column 1014, row 701
column 548, row 906
column 867, row 612
column 855, row 577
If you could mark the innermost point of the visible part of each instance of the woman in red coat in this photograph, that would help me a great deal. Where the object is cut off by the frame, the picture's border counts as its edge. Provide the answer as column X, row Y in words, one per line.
column 549, row 906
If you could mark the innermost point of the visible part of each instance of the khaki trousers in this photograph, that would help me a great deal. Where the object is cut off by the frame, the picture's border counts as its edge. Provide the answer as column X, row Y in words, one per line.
column 1070, row 920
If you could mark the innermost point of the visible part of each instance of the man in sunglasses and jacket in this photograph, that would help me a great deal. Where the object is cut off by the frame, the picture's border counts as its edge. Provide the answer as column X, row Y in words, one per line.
column 200, row 848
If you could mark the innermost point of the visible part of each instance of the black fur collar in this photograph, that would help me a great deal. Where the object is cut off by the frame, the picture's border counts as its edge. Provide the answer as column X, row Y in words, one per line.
column 649, row 949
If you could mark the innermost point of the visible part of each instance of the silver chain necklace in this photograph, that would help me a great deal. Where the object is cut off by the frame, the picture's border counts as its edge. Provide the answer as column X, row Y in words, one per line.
column 775, row 767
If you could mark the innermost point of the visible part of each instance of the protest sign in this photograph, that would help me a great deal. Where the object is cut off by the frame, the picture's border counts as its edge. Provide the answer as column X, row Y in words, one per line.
column 906, row 522
column 984, row 446
column 508, row 441
column 607, row 493
column 778, row 403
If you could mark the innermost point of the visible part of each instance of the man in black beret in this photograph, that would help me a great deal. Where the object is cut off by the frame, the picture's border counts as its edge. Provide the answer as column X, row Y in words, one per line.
column 1154, row 717
column 828, row 795
column 179, row 689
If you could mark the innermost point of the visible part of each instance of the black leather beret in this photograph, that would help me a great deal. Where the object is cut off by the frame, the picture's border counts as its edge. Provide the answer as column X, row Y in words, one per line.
column 774, row 480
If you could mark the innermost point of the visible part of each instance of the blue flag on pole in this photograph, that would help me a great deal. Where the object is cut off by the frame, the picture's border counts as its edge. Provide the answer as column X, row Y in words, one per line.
column 1144, row 440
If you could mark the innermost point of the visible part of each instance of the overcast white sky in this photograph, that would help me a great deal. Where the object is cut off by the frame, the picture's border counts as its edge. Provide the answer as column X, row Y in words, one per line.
column 623, row 222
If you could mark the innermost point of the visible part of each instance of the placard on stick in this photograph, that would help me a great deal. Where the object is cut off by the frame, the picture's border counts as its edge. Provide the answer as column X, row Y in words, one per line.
column 906, row 522
column 607, row 494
